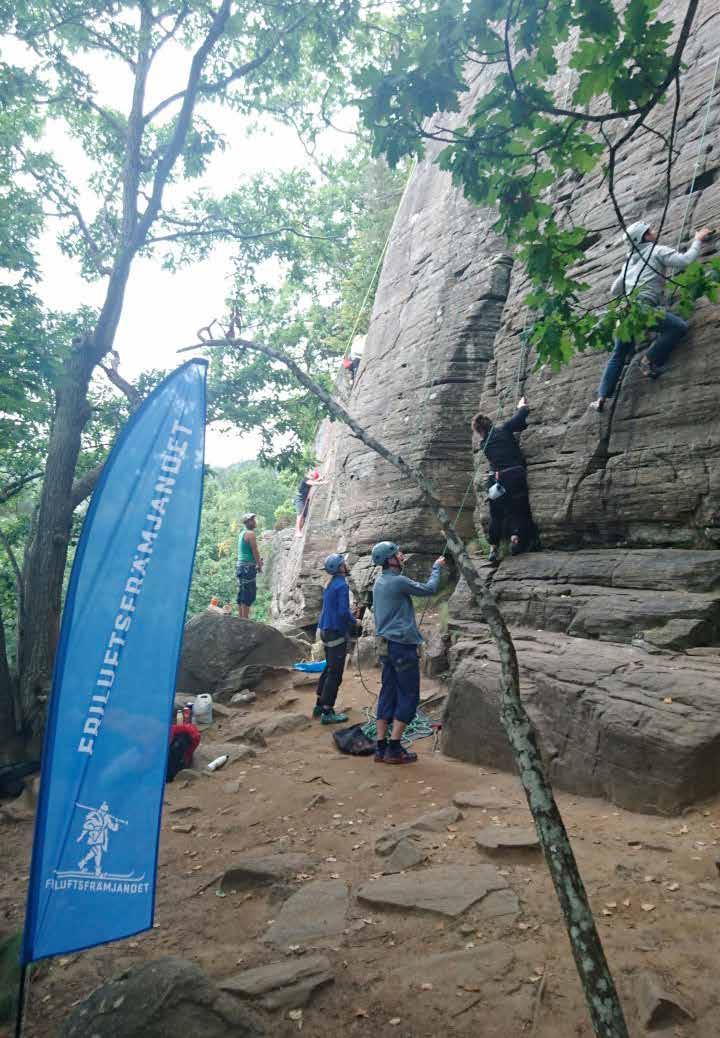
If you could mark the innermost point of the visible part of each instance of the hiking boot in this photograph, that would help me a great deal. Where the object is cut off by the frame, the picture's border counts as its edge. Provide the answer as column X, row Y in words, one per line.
column 401, row 756
column 317, row 710
column 493, row 556
column 380, row 751
column 330, row 717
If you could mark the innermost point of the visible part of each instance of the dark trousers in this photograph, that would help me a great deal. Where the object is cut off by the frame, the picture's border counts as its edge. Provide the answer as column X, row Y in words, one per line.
column 510, row 515
column 331, row 677
column 400, row 688
column 668, row 332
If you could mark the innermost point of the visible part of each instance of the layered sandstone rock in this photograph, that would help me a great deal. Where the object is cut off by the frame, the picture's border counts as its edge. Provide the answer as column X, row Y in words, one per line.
column 612, row 721
column 627, row 502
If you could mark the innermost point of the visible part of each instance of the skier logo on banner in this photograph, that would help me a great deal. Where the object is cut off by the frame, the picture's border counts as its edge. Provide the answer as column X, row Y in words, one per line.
column 98, row 823
column 95, row 834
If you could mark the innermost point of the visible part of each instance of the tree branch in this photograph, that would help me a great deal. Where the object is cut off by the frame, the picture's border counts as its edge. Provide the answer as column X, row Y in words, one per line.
column 82, row 488
column 602, row 999
column 125, row 387
column 209, row 89
column 14, row 488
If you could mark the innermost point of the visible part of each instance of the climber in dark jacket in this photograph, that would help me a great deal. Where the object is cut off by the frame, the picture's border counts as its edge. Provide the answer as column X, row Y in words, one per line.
column 507, row 483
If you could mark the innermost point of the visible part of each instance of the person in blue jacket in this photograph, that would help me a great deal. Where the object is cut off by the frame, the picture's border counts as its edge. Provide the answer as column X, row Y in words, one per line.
column 398, row 636
column 335, row 625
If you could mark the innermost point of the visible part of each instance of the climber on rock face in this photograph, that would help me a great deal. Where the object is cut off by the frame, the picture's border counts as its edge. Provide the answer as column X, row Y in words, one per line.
column 335, row 626
column 398, row 636
column 646, row 268
column 507, row 483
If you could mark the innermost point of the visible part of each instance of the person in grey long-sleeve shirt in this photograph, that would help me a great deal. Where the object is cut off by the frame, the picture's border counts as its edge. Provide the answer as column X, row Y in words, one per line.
column 647, row 268
column 399, row 636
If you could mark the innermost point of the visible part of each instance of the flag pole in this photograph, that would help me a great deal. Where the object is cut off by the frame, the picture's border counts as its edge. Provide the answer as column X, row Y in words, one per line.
column 22, row 991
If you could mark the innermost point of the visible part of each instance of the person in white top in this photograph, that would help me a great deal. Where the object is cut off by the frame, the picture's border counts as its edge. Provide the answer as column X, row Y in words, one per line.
column 647, row 267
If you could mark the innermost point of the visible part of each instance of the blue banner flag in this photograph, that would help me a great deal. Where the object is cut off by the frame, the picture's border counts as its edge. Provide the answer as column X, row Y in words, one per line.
column 103, row 769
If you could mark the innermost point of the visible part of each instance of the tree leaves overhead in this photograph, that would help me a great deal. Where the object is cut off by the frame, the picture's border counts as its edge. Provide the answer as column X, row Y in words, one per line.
column 530, row 128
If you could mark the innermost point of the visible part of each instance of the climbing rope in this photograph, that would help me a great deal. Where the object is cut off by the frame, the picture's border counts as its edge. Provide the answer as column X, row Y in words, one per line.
column 700, row 148
column 421, row 727
column 371, row 282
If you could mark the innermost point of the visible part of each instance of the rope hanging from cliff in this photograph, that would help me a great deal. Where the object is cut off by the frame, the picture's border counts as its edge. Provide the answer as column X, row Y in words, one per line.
column 381, row 257
column 699, row 153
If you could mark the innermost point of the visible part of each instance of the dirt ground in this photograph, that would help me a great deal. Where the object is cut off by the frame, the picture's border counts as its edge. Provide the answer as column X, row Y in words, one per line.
column 653, row 884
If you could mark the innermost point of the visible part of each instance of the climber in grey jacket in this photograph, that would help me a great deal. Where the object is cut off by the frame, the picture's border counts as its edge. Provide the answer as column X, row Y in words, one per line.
column 647, row 268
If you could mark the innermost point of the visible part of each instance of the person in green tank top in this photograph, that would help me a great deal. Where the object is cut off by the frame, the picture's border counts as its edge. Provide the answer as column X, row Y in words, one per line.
column 248, row 566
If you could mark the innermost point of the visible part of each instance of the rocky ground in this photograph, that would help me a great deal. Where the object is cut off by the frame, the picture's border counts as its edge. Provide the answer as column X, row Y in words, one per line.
column 338, row 896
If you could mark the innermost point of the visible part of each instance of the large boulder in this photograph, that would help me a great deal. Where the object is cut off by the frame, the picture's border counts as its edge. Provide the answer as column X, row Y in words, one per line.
column 224, row 654
column 159, row 999
column 641, row 730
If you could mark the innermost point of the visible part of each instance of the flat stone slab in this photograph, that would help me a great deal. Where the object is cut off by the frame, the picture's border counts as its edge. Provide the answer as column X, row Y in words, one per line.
column 466, row 968
column 494, row 838
column 447, row 890
column 266, row 726
column 318, row 910
column 479, row 799
column 434, row 822
column 406, row 855
column 260, row 871
column 279, row 985
column 208, row 751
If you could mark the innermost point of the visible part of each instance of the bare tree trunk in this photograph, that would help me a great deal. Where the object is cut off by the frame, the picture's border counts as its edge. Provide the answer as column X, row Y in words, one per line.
column 602, row 999
column 9, row 736
column 46, row 555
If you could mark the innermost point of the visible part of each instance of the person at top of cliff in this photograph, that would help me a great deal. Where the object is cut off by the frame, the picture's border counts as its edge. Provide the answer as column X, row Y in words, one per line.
column 336, row 624
column 249, row 564
column 508, row 495
column 302, row 498
column 398, row 637
column 646, row 268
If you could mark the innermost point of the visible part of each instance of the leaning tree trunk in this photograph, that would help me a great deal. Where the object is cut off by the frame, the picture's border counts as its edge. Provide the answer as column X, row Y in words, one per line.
column 601, row 996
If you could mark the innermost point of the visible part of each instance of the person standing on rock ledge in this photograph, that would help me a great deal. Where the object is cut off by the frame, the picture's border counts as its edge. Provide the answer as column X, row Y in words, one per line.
column 335, row 625
column 508, row 495
column 248, row 566
column 647, row 268
column 399, row 637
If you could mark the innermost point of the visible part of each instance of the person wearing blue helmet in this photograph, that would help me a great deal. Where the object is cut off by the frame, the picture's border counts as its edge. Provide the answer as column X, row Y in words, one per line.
column 399, row 637
column 335, row 625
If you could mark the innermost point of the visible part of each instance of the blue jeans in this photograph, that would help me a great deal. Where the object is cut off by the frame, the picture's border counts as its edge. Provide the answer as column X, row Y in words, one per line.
column 668, row 332
column 400, row 689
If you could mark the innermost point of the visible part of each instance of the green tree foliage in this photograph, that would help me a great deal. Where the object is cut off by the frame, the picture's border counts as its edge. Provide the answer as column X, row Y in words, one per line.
column 90, row 72
column 521, row 137
column 311, row 309
column 228, row 495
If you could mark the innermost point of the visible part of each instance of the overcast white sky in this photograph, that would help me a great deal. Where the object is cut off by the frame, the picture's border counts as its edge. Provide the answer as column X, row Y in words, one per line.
column 163, row 311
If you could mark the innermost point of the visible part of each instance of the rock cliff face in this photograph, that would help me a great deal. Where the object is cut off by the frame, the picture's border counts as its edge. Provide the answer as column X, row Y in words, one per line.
column 627, row 502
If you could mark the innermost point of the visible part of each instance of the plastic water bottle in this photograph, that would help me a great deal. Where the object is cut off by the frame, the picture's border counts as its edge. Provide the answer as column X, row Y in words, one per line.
column 217, row 763
column 179, row 717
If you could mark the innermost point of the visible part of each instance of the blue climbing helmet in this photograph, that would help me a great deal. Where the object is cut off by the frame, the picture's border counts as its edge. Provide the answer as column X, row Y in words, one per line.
column 383, row 551
column 333, row 563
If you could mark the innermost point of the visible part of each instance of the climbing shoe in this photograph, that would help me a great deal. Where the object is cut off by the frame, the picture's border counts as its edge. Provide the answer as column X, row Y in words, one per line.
column 399, row 756
column 330, row 717
column 493, row 556
column 317, row 710
column 380, row 751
